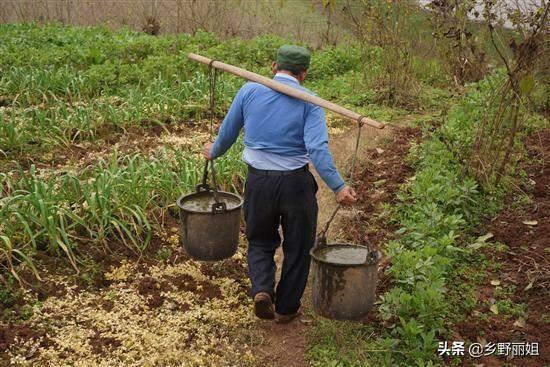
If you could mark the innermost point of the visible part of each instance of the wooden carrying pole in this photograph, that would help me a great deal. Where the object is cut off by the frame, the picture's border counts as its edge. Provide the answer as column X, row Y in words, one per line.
column 285, row 89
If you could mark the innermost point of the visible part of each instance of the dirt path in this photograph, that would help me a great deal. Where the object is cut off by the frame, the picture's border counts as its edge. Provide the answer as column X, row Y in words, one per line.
column 287, row 345
column 342, row 148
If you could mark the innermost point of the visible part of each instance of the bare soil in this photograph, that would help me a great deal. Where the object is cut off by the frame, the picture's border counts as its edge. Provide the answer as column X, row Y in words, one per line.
column 382, row 174
column 16, row 333
column 525, row 265
column 102, row 344
column 151, row 289
column 285, row 344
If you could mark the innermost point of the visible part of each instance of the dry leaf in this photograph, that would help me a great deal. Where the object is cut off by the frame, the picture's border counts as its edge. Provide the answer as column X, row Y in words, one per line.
column 495, row 282
column 480, row 241
column 476, row 245
column 530, row 222
column 520, row 322
column 379, row 151
column 494, row 309
column 529, row 286
column 485, row 237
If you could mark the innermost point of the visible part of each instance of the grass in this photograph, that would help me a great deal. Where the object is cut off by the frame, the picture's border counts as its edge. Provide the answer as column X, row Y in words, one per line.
column 118, row 199
column 63, row 85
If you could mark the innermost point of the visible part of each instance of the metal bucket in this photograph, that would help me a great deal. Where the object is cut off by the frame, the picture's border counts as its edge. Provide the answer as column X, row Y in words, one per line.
column 210, row 222
column 344, row 280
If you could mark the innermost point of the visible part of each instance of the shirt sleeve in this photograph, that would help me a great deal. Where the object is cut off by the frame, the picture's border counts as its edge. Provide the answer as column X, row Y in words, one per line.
column 231, row 126
column 316, row 140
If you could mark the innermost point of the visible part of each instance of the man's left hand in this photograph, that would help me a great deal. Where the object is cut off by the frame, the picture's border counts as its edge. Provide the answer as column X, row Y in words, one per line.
column 207, row 149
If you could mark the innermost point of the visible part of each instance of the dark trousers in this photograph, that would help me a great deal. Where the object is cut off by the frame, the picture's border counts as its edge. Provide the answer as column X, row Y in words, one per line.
column 288, row 201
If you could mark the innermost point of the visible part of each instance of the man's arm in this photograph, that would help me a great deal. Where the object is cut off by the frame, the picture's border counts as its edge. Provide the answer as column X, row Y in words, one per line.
column 316, row 140
column 230, row 128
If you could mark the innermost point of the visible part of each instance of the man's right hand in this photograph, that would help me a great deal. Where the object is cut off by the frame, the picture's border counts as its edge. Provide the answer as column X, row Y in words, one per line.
column 346, row 196
column 207, row 150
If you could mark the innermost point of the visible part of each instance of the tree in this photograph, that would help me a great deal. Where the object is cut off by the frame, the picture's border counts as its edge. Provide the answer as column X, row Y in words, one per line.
column 496, row 136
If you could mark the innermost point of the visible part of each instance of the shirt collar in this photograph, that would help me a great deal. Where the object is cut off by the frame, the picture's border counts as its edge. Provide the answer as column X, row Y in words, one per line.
column 286, row 76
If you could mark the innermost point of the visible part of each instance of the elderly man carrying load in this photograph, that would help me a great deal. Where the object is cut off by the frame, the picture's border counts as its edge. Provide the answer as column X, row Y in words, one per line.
column 281, row 136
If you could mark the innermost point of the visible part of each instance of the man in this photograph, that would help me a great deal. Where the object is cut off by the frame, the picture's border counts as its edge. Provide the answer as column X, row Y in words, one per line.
column 282, row 134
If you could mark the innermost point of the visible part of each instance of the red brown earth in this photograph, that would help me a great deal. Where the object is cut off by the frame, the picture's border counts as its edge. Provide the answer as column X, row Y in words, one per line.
column 381, row 175
column 383, row 172
column 11, row 333
column 525, row 265
column 102, row 344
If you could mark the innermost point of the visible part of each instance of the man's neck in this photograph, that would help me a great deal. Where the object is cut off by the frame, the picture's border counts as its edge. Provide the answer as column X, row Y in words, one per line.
column 288, row 75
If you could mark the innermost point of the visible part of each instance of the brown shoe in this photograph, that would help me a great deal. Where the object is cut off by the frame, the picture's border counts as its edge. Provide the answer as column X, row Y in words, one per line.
column 263, row 306
column 285, row 319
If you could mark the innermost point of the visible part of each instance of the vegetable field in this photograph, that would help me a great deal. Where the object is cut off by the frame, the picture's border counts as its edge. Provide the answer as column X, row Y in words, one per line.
column 102, row 130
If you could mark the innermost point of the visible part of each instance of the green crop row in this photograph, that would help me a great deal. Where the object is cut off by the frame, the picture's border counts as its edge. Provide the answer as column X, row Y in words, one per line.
column 118, row 199
column 62, row 123
column 60, row 85
column 434, row 214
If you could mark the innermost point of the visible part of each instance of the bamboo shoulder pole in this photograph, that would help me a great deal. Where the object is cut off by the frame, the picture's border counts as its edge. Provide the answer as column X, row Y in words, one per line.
column 285, row 89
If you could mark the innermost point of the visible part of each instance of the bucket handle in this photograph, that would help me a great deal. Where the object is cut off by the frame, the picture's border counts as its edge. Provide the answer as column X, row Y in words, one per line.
column 203, row 187
column 218, row 207
column 372, row 254
column 321, row 241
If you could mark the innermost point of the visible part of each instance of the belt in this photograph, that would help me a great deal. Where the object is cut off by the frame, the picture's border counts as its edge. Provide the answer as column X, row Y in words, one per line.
column 267, row 172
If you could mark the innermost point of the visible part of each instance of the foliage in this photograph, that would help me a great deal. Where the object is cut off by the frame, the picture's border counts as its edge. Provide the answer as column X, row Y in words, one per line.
column 118, row 199
column 434, row 212
column 62, row 87
column 460, row 45
column 383, row 24
column 496, row 138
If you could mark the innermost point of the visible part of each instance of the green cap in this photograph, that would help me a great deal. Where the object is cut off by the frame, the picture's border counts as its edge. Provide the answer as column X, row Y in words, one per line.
column 293, row 58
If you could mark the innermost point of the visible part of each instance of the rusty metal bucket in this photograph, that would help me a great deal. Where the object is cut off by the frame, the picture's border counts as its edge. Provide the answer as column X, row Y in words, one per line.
column 210, row 222
column 344, row 280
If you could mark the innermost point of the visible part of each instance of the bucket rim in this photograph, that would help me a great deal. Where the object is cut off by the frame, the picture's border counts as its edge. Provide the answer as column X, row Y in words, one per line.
column 312, row 252
column 224, row 193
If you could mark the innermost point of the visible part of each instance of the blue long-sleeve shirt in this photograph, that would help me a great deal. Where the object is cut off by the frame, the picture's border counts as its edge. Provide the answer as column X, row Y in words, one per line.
column 280, row 126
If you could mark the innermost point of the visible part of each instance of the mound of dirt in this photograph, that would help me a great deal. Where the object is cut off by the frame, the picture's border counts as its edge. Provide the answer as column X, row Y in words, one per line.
column 381, row 175
column 183, row 282
column 229, row 268
column 525, row 265
column 209, row 291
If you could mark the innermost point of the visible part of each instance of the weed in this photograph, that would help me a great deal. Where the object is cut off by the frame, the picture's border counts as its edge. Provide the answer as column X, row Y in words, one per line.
column 163, row 254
